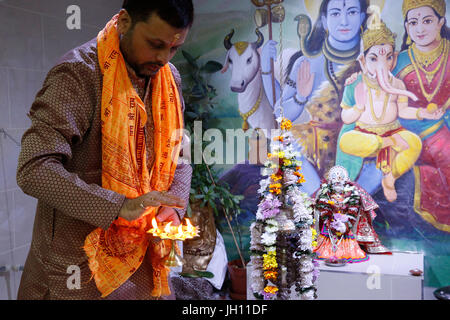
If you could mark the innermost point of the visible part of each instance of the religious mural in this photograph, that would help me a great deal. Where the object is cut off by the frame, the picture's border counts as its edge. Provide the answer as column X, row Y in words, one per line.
column 364, row 89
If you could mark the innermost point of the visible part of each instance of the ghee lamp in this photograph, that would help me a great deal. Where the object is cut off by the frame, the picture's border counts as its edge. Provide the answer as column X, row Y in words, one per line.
column 166, row 231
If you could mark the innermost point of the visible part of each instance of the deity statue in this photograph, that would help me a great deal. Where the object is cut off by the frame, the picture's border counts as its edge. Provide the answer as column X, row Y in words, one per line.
column 346, row 213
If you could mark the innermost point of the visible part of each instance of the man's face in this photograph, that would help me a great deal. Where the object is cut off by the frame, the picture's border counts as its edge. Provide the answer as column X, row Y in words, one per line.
column 148, row 45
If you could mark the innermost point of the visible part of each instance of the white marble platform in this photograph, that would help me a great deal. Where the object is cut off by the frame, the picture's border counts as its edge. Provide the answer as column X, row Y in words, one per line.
column 383, row 277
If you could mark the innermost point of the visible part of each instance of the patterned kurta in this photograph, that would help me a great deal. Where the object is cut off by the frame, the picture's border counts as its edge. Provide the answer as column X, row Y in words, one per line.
column 60, row 165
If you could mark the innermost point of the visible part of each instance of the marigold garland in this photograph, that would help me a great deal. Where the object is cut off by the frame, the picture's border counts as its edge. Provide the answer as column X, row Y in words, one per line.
column 270, row 260
column 286, row 124
column 283, row 208
column 271, row 289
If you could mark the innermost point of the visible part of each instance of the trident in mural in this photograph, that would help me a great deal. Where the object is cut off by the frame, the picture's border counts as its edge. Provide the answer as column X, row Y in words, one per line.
column 273, row 13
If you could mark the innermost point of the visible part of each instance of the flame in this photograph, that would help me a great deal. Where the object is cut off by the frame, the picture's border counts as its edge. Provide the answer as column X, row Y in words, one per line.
column 180, row 234
column 189, row 226
column 154, row 224
column 155, row 230
column 167, row 231
column 167, row 228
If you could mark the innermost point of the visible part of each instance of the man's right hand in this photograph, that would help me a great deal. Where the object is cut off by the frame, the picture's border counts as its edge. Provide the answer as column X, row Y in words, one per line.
column 133, row 209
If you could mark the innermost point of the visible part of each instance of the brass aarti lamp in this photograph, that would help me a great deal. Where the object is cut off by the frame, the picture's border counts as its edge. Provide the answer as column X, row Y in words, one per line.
column 166, row 231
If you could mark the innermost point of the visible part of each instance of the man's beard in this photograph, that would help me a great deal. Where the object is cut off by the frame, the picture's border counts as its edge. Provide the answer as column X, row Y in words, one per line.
column 141, row 70
column 144, row 71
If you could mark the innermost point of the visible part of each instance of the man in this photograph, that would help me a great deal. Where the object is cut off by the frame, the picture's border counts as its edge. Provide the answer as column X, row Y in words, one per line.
column 101, row 158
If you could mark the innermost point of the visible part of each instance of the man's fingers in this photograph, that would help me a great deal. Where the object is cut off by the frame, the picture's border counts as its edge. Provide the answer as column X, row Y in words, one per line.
column 150, row 203
column 164, row 213
column 168, row 214
column 169, row 200
column 157, row 199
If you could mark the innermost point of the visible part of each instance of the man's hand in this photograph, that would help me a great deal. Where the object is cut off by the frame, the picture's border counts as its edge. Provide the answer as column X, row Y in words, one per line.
column 133, row 209
column 167, row 214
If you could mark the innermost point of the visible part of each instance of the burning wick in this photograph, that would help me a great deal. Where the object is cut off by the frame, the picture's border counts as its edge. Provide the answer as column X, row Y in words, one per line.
column 167, row 231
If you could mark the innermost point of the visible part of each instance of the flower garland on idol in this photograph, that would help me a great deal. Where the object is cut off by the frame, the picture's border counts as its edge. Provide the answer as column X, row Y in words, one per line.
column 348, row 207
column 283, row 234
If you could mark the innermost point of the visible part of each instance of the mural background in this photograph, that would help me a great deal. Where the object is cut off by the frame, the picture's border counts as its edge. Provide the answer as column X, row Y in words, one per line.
column 399, row 227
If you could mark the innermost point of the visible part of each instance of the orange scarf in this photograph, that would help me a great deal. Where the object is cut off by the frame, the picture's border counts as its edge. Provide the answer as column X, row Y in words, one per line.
column 115, row 254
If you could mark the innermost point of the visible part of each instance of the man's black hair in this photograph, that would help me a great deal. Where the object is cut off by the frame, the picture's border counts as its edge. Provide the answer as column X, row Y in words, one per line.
column 177, row 13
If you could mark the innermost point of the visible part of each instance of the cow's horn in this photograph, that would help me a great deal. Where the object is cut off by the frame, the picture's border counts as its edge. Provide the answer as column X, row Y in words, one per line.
column 227, row 41
column 260, row 40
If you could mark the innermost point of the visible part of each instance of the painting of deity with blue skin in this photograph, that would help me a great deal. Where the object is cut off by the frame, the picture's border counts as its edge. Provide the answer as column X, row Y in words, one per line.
column 312, row 63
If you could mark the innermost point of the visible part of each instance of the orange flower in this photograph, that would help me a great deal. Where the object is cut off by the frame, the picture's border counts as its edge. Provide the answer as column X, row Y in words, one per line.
column 277, row 191
column 279, row 138
column 271, row 289
column 270, row 275
column 276, row 177
column 286, row 124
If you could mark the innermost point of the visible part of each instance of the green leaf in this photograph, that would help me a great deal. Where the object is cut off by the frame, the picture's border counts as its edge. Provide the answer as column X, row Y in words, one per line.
column 189, row 59
column 205, row 274
column 191, row 115
column 214, row 195
column 211, row 67
column 189, row 211
column 190, row 275
column 198, row 91
column 212, row 205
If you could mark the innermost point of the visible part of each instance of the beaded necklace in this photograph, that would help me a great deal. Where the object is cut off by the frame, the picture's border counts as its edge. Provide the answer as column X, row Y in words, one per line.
column 430, row 96
column 426, row 59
